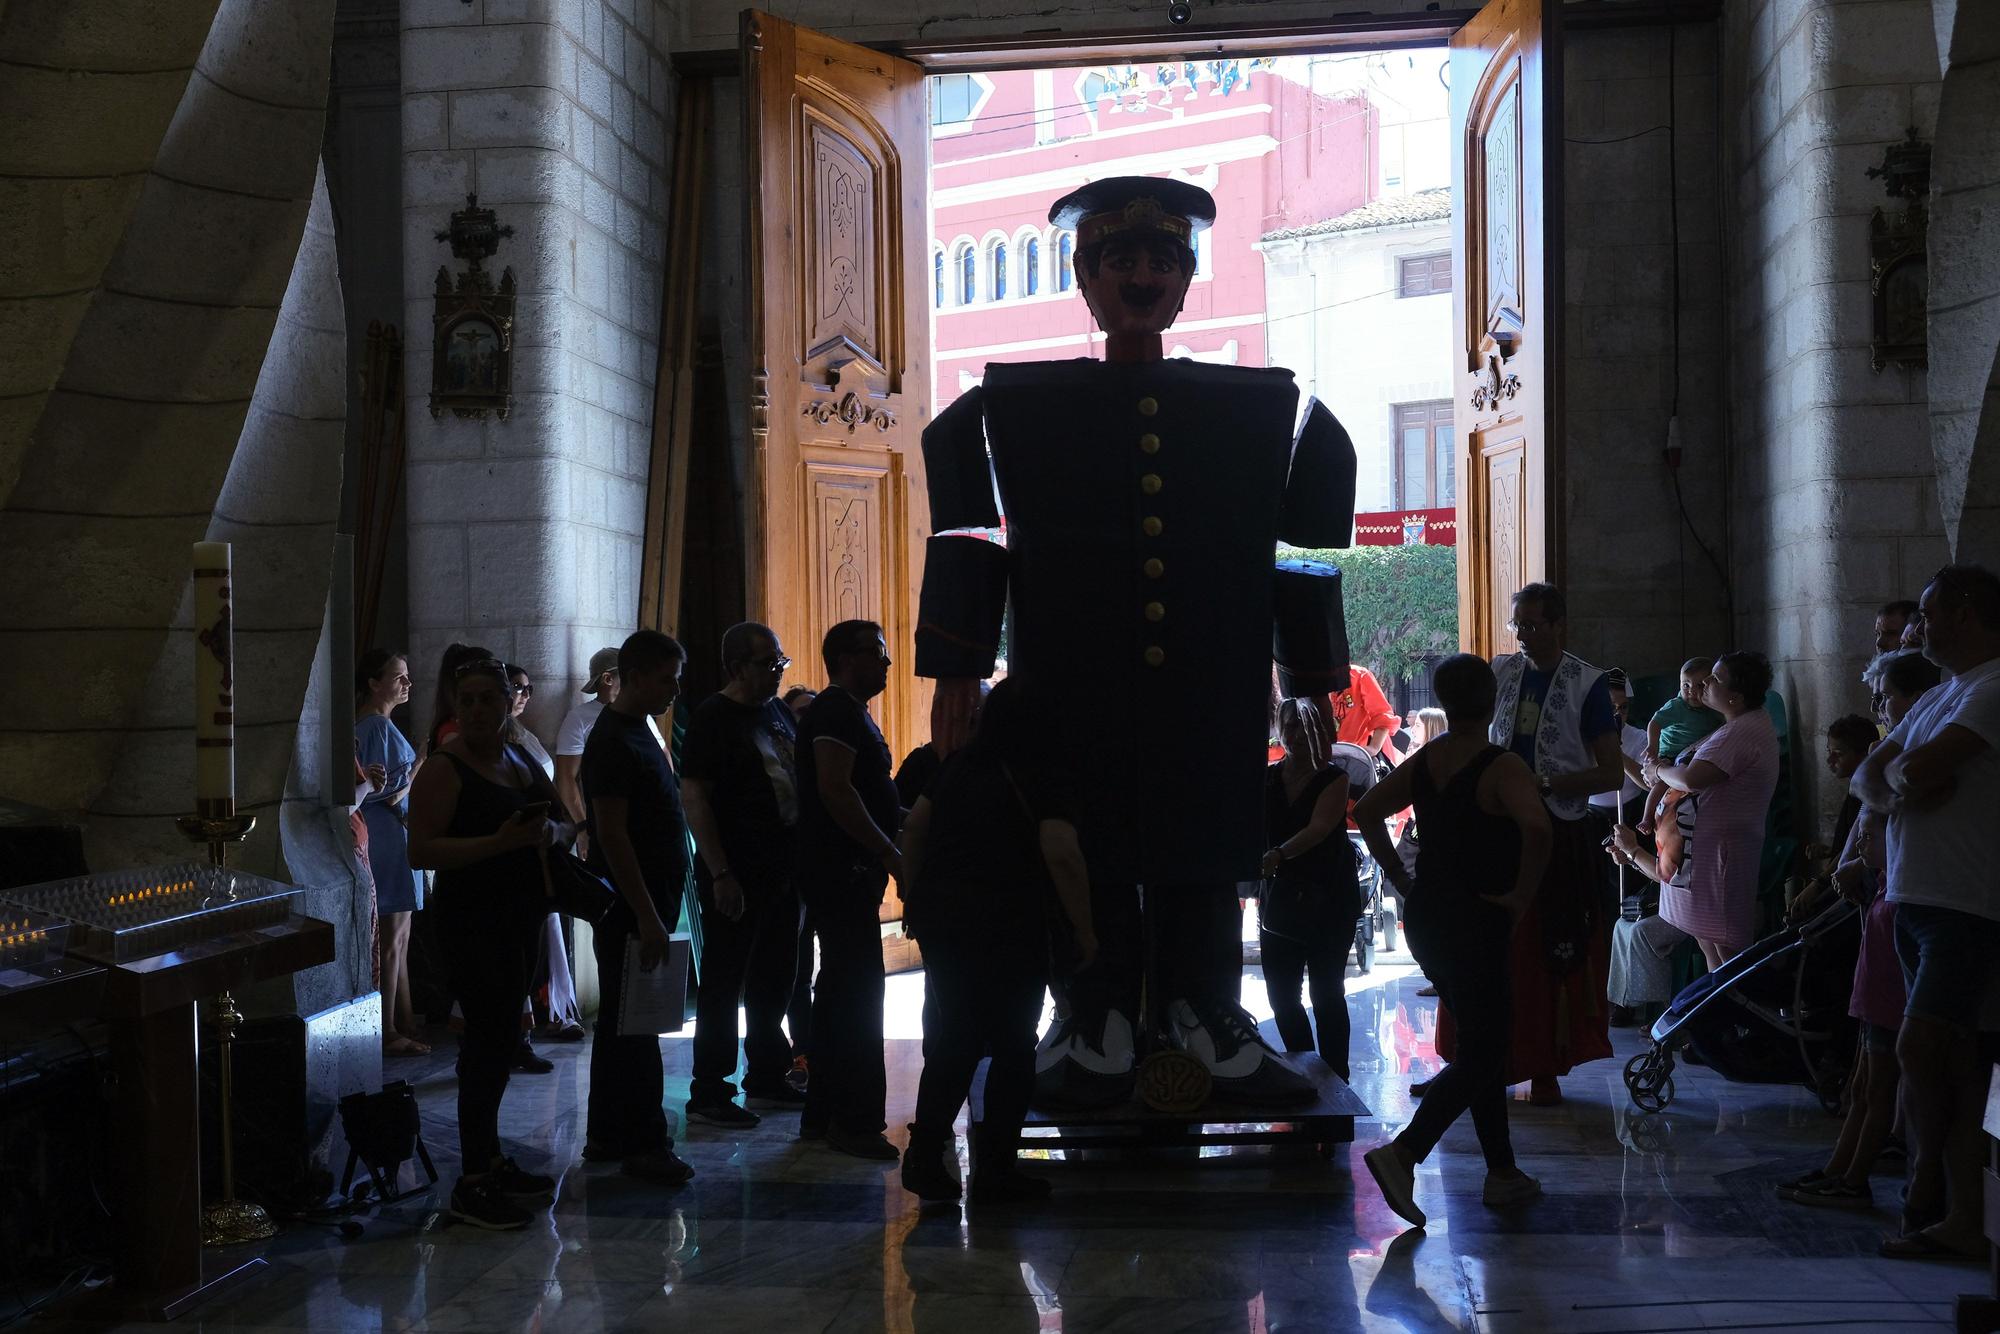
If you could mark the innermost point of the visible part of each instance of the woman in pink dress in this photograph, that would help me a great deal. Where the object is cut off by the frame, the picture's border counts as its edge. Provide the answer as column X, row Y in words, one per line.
column 1732, row 775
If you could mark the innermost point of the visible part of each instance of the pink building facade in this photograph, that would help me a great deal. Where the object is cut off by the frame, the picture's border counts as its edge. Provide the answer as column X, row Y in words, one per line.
column 1005, row 146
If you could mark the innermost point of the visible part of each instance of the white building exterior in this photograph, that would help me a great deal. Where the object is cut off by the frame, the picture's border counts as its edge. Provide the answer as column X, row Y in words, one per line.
column 1337, row 316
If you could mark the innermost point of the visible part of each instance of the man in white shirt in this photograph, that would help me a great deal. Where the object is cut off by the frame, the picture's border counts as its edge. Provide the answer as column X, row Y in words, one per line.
column 1937, row 779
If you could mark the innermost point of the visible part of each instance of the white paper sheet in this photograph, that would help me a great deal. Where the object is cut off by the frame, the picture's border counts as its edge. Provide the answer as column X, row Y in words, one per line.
column 656, row 1002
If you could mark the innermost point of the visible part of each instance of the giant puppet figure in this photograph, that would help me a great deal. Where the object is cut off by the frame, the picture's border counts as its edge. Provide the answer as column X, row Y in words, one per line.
column 1144, row 499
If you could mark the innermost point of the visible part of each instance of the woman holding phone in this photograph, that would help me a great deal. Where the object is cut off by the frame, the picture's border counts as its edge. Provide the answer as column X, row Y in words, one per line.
column 480, row 819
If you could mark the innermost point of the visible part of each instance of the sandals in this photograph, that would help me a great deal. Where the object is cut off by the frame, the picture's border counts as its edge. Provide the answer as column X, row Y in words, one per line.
column 402, row 1046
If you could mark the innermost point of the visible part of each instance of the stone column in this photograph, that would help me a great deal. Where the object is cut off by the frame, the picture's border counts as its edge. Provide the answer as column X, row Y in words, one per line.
column 525, row 533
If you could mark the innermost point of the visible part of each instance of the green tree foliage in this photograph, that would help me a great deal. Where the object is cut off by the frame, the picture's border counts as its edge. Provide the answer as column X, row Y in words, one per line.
column 1402, row 605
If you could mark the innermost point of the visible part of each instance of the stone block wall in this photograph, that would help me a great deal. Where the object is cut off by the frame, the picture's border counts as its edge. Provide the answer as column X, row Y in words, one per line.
column 1836, row 502
column 1639, row 188
column 525, row 533
column 182, row 392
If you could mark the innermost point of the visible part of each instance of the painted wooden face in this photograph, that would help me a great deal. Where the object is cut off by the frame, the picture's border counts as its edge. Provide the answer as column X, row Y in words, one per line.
column 1139, row 285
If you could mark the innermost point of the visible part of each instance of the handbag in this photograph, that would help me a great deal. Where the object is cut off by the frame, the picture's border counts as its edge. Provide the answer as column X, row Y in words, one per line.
column 573, row 889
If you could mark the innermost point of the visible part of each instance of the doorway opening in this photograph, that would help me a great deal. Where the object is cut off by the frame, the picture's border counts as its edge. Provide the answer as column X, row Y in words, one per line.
column 1331, row 256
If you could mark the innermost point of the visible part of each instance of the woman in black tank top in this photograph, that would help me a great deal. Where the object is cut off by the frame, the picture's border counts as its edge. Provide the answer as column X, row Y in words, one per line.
column 479, row 817
column 1311, row 896
column 1486, row 842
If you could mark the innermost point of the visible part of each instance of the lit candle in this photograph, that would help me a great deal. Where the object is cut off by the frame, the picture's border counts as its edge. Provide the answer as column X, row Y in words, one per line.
column 214, row 686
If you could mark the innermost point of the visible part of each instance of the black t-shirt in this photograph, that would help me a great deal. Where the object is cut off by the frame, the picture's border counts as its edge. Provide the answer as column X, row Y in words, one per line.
column 744, row 752
column 621, row 759
column 982, row 859
column 838, row 716
column 920, row 766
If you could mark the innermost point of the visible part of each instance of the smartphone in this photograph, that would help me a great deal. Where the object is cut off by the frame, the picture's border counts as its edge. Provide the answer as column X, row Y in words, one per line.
column 536, row 810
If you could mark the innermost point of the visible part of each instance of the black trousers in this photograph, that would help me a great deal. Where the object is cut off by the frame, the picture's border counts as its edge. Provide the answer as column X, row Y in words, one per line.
column 749, row 960
column 488, row 960
column 628, row 1080
column 849, row 1088
column 1464, row 947
column 1195, row 941
column 980, row 996
column 1288, row 964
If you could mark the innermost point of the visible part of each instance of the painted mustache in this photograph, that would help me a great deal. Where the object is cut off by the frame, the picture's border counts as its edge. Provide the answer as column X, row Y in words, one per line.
column 1140, row 294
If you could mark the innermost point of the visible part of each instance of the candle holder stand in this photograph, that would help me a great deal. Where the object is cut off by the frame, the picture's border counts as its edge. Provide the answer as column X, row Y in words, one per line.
column 229, row 1221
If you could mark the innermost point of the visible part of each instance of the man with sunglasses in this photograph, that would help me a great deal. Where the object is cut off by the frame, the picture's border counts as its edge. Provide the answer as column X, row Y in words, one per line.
column 740, row 787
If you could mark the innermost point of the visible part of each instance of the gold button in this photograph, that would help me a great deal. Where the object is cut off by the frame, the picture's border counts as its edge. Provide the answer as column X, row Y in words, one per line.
column 1156, row 656
column 1155, row 568
column 1148, row 406
column 1150, row 484
column 1150, row 443
column 1156, row 611
column 1152, row 525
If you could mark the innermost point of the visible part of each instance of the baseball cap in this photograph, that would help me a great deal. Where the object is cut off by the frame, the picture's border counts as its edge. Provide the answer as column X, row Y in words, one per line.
column 602, row 661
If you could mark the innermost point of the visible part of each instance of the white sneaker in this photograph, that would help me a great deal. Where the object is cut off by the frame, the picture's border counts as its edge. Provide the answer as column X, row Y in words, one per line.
column 1245, row 1068
column 1397, row 1181
column 1075, row 1067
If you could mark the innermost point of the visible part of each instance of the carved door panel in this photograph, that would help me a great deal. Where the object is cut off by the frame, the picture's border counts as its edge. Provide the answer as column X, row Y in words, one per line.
column 837, row 146
column 1506, row 115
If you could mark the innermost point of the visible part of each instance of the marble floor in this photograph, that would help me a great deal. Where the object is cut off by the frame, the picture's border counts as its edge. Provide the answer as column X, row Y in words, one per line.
column 1649, row 1223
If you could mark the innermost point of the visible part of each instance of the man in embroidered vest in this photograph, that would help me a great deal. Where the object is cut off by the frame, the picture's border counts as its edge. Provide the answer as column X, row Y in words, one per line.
column 1554, row 710
column 1143, row 499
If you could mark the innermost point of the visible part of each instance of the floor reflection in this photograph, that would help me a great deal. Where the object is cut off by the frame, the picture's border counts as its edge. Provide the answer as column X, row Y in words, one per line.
column 1649, row 1222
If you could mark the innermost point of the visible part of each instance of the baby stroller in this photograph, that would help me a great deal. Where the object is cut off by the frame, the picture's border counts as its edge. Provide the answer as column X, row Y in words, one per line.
column 1774, row 1014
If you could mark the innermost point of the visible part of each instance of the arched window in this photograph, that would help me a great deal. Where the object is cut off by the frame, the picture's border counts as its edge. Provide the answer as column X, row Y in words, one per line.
column 997, row 263
column 1031, row 267
column 937, row 278
column 968, row 275
column 1065, row 262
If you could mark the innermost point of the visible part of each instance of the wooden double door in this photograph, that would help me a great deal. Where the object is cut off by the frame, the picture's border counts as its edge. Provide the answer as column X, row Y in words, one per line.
column 837, row 156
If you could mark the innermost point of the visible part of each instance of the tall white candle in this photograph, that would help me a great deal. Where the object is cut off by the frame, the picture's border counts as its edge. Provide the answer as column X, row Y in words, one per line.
column 214, row 684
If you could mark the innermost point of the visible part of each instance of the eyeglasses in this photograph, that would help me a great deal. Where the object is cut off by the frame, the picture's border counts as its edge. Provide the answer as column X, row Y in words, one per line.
column 773, row 664
column 1528, row 627
column 526, row 688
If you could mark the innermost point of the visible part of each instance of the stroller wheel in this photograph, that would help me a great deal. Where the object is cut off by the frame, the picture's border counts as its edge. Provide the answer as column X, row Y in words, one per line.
column 1649, row 1079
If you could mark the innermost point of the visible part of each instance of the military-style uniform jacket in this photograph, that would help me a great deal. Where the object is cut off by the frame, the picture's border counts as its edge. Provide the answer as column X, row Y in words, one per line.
column 1143, row 505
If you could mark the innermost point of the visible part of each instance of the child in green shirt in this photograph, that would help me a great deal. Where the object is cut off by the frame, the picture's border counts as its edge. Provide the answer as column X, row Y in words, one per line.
column 1679, row 723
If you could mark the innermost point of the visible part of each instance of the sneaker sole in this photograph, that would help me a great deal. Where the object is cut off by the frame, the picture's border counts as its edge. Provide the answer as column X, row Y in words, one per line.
column 725, row 1122
column 488, row 1224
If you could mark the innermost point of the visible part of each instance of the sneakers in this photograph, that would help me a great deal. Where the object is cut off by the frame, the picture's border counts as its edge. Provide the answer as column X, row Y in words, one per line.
column 662, row 1167
column 484, row 1204
column 1085, row 1063
column 508, row 1178
column 774, row 1095
column 1833, row 1193
column 728, row 1115
column 1244, row 1066
column 1812, row 1178
column 527, row 1062
column 1397, row 1181
column 857, row 1144
column 925, row 1174
column 1504, row 1192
